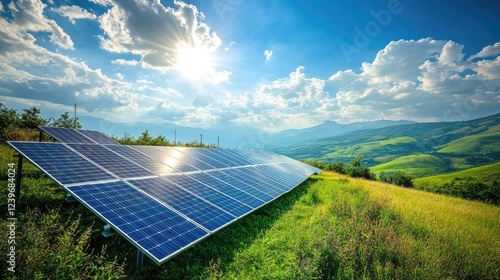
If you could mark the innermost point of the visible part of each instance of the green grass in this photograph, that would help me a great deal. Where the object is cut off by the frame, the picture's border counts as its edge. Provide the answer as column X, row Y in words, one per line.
column 417, row 165
column 486, row 173
column 478, row 143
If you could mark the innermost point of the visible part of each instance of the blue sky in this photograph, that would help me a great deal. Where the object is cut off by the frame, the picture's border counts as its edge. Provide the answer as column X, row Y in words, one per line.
column 271, row 65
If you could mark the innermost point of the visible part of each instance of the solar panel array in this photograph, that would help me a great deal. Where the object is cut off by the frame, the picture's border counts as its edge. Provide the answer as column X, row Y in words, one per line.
column 162, row 199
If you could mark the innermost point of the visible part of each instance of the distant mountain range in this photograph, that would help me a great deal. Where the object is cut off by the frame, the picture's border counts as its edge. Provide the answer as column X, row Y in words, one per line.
column 233, row 136
column 421, row 148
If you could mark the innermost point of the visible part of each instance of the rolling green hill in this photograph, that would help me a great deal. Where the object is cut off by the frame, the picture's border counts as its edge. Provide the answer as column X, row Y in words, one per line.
column 484, row 142
column 458, row 145
column 486, row 173
column 416, row 165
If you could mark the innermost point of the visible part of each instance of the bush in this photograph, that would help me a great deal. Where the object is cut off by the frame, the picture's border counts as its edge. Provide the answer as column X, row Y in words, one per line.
column 471, row 188
column 397, row 178
column 357, row 170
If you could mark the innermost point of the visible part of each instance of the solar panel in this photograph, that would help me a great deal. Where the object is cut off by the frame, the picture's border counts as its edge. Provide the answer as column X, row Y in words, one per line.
column 60, row 163
column 202, row 212
column 163, row 199
column 98, row 137
column 146, row 161
column 153, row 227
column 110, row 161
column 66, row 135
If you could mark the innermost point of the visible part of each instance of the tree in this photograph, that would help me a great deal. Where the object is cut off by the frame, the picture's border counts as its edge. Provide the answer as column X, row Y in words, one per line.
column 8, row 121
column 31, row 118
column 357, row 170
column 65, row 121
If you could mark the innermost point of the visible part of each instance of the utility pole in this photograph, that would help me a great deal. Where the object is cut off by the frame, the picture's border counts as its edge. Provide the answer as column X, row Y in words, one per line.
column 201, row 139
column 74, row 119
column 218, row 141
column 175, row 136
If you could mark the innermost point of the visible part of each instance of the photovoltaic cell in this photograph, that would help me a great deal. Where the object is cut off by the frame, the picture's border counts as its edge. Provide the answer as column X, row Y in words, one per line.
column 153, row 227
column 193, row 207
column 112, row 162
column 150, row 163
column 67, row 135
column 172, row 162
column 61, row 163
column 216, row 198
column 98, row 137
column 217, row 182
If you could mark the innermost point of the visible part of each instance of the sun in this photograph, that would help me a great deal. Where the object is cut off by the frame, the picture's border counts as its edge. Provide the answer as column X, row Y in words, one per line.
column 193, row 62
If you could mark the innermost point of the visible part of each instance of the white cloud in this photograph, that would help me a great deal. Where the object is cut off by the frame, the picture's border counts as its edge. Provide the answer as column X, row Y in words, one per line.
column 268, row 54
column 28, row 17
column 125, row 62
column 420, row 80
column 154, row 31
column 74, row 12
column 231, row 44
column 488, row 51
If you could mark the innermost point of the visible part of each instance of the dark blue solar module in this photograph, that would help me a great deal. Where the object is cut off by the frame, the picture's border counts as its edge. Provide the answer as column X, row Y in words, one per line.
column 98, row 137
column 198, row 153
column 146, row 161
column 150, row 225
column 243, row 177
column 112, row 162
column 160, row 153
column 163, row 199
column 247, row 187
column 61, row 163
column 222, row 184
column 192, row 206
column 66, row 135
column 221, row 200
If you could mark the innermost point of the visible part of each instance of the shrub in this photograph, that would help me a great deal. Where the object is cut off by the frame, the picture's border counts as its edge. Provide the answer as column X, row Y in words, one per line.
column 397, row 178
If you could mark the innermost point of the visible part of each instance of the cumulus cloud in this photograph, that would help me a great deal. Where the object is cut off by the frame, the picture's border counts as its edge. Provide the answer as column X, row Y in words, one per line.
column 488, row 51
column 28, row 17
column 154, row 31
column 419, row 80
column 268, row 54
column 125, row 62
column 74, row 12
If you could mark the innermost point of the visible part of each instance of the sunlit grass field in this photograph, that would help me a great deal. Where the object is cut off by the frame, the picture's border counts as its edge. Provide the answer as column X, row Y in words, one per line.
column 485, row 173
column 419, row 165
column 331, row 226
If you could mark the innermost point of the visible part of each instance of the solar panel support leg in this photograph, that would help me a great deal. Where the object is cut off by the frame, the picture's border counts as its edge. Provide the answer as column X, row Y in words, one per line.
column 18, row 177
column 140, row 259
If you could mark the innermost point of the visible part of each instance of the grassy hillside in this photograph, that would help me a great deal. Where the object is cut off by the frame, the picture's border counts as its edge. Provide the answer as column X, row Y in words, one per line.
column 486, row 173
column 331, row 226
column 461, row 144
column 484, row 142
column 417, row 165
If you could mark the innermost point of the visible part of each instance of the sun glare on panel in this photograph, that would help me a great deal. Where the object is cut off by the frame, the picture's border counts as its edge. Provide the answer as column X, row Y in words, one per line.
column 193, row 62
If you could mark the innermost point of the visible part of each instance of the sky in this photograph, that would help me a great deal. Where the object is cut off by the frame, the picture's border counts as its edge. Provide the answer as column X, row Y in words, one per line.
column 269, row 65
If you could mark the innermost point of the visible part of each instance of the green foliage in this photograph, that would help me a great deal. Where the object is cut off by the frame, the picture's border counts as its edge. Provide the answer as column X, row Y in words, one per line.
column 49, row 246
column 398, row 178
column 65, row 121
column 356, row 169
column 9, row 120
column 471, row 188
column 159, row 140
column 31, row 118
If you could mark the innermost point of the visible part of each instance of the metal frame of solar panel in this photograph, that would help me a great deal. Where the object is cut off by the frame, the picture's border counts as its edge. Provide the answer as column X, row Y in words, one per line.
column 162, row 199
